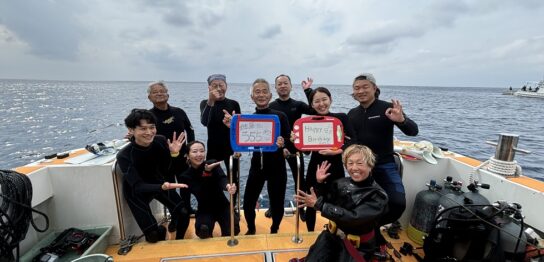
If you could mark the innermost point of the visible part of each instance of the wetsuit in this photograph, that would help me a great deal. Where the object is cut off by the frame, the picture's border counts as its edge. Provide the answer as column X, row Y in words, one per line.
column 336, row 169
column 145, row 169
column 213, row 206
column 375, row 130
column 355, row 208
column 272, row 170
column 218, row 134
column 293, row 109
column 172, row 120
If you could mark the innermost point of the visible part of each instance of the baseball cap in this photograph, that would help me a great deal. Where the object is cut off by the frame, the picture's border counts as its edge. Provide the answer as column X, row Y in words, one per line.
column 366, row 76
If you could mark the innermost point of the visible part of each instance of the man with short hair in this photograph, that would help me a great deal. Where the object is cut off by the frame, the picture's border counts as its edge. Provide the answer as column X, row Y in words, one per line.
column 212, row 116
column 293, row 109
column 148, row 165
column 373, row 121
column 170, row 119
column 266, row 166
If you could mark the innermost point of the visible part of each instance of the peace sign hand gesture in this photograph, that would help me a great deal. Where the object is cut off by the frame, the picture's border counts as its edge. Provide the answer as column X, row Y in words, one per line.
column 176, row 143
column 395, row 113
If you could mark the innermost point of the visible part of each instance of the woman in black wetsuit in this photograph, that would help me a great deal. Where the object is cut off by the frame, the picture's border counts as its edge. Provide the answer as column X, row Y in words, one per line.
column 320, row 100
column 207, row 181
column 353, row 206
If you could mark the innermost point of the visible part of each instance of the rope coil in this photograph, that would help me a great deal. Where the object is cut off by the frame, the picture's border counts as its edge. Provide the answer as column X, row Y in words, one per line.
column 15, row 212
column 504, row 168
column 499, row 167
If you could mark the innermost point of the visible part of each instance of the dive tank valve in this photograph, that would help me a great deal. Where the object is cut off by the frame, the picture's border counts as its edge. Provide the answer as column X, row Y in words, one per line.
column 451, row 186
column 473, row 187
column 473, row 196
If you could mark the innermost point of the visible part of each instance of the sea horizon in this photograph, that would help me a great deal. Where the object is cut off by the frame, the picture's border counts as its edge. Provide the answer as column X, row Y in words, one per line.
column 239, row 83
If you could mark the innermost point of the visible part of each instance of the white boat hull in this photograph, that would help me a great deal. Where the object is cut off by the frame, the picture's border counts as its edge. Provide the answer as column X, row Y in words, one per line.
column 78, row 195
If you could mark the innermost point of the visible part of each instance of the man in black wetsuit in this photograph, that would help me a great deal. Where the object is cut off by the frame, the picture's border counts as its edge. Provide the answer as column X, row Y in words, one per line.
column 212, row 116
column 373, row 121
column 267, row 166
column 148, row 165
column 293, row 109
column 172, row 119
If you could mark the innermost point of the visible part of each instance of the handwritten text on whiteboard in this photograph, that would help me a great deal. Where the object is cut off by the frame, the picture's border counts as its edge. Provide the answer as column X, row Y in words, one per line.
column 255, row 132
column 321, row 133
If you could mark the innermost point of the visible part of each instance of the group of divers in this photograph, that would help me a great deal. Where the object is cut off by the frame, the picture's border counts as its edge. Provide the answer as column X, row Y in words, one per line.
column 164, row 156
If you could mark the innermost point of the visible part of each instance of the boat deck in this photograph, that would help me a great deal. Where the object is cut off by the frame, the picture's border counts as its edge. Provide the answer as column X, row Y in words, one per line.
column 260, row 247
column 53, row 176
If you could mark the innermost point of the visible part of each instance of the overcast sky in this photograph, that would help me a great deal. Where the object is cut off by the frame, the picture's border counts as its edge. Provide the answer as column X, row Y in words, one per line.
column 492, row 43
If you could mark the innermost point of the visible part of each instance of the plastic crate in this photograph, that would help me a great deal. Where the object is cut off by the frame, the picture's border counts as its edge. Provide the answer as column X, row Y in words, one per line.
column 99, row 246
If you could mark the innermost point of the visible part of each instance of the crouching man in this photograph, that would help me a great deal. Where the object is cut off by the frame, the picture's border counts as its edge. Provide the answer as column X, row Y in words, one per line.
column 148, row 164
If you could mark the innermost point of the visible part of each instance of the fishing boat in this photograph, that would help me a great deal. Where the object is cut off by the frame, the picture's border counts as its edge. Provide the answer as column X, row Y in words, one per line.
column 531, row 89
column 510, row 91
column 80, row 189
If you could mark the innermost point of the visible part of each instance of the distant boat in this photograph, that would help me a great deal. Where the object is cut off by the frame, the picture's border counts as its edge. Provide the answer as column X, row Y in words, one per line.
column 510, row 91
column 528, row 91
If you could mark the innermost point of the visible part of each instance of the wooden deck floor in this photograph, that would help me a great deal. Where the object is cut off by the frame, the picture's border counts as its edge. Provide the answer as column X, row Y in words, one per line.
column 260, row 247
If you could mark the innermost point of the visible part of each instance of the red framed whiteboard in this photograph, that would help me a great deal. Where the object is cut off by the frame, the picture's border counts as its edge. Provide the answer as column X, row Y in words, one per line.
column 314, row 133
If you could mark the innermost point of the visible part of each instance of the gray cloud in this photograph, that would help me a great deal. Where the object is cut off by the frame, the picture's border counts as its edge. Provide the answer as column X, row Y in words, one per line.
column 324, row 60
column 177, row 19
column 165, row 58
column 6, row 35
column 184, row 14
column 383, row 38
column 385, row 35
column 270, row 32
column 210, row 19
column 50, row 28
column 330, row 27
column 138, row 34
column 142, row 39
column 197, row 45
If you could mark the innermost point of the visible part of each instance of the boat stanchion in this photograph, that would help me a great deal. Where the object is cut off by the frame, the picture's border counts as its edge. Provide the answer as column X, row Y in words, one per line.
column 237, row 156
column 297, row 239
column 232, row 241
column 116, row 176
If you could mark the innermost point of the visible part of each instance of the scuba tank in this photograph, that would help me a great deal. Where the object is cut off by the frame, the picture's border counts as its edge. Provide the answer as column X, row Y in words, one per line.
column 452, row 195
column 512, row 238
column 458, row 198
column 463, row 236
column 473, row 196
column 425, row 207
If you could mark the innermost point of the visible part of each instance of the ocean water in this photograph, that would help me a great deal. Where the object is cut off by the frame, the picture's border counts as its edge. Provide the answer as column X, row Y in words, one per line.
column 39, row 118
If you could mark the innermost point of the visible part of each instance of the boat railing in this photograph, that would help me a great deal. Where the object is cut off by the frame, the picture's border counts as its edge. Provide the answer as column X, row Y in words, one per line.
column 117, row 178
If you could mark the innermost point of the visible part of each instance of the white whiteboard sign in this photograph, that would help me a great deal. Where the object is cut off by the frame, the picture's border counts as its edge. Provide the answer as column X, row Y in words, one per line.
column 318, row 133
column 255, row 132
